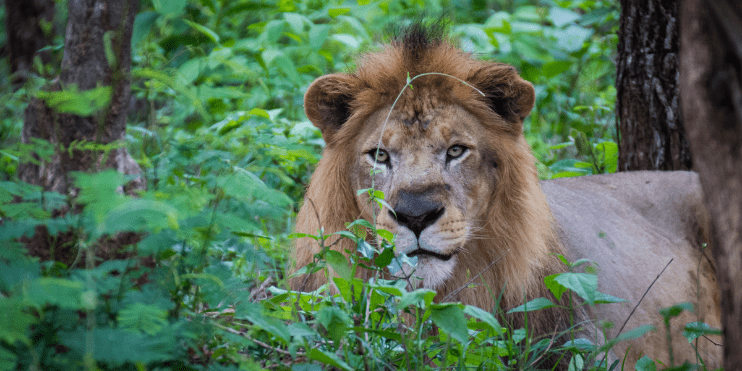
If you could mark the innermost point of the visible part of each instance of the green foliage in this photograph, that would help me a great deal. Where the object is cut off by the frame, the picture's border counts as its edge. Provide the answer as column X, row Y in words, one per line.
column 218, row 128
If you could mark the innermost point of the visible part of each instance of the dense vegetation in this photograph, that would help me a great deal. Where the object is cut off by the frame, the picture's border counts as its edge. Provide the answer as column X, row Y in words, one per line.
column 218, row 128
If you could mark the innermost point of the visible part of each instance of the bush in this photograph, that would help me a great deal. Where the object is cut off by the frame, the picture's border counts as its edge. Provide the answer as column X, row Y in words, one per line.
column 217, row 126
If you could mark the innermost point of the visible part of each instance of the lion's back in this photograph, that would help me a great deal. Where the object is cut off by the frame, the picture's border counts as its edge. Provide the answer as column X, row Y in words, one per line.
column 632, row 224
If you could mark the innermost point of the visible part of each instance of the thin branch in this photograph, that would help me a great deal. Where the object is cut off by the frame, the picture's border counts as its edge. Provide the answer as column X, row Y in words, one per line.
column 640, row 301
column 452, row 294
column 262, row 344
column 645, row 294
column 260, row 288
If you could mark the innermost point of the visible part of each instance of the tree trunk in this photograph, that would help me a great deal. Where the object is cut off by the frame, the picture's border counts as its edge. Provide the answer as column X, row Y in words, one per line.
column 85, row 66
column 651, row 130
column 97, row 30
column 26, row 35
column 711, row 76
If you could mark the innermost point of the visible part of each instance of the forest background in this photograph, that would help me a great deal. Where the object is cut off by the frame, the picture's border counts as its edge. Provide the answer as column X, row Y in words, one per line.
column 217, row 126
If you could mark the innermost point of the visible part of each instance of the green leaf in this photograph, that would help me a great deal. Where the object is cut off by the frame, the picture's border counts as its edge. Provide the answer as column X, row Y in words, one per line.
column 535, row 304
column 485, row 317
column 608, row 152
column 583, row 284
column 335, row 321
column 173, row 8
column 449, row 317
column 339, row 264
column 579, row 344
column 676, row 310
column 259, row 112
column 108, row 50
column 602, row 298
column 293, row 236
column 415, row 297
column 334, row 12
column 385, row 258
column 317, row 35
column 383, row 233
column 203, row 30
column 572, row 38
column 72, row 101
column 253, row 313
column 296, row 21
column 576, row 363
column 24, row 210
column 361, row 222
column 142, row 25
column 561, row 17
column 244, row 185
column 365, row 249
column 695, row 330
column 394, row 288
column 328, row 358
column 628, row 335
column 8, row 360
column 148, row 319
column 645, row 364
column 57, row 291
column 119, row 346
column 555, row 287
column 15, row 321
column 581, row 142
column 554, row 68
column 569, row 166
column 137, row 215
column 190, row 70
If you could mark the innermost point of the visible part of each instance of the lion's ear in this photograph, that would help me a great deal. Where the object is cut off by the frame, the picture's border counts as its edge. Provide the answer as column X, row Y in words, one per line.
column 506, row 92
column 327, row 102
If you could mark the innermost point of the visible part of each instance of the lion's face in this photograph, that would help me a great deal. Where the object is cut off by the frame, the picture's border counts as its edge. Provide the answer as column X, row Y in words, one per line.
column 437, row 173
column 456, row 171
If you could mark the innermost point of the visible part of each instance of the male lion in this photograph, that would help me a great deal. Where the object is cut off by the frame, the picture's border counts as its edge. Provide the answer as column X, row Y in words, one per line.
column 456, row 169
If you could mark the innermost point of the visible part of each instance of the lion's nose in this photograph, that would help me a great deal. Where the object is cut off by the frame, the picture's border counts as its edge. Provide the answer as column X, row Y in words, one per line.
column 416, row 211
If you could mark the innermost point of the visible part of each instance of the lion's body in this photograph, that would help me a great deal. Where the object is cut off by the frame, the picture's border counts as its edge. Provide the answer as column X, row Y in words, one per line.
column 461, row 178
column 632, row 225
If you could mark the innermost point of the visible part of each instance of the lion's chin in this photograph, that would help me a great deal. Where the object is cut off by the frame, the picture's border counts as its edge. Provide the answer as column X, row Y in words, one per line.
column 430, row 272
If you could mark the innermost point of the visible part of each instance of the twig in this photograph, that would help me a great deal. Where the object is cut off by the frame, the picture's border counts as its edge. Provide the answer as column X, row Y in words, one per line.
column 452, row 294
column 551, row 343
column 640, row 301
column 260, row 288
column 262, row 344
column 645, row 294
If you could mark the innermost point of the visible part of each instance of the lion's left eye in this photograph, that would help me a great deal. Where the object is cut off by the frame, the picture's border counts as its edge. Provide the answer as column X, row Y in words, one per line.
column 455, row 152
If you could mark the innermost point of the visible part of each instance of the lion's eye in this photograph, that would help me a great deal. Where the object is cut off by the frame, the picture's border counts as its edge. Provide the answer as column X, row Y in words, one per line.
column 455, row 152
column 381, row 155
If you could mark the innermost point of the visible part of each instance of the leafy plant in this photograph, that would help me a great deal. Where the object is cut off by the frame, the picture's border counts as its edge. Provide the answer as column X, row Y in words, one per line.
column 217, row 126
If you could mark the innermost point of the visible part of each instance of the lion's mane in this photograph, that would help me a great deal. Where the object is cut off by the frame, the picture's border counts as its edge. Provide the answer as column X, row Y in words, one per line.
column 515, row 248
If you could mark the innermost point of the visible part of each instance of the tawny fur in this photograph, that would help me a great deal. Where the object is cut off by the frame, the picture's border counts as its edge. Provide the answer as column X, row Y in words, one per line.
column 512, row 241
column 518, row 232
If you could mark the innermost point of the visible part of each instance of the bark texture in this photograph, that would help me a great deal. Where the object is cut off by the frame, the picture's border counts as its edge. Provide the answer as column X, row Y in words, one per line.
column 93, row 26
column 23, row 27
column 651, row 130
column 711, row 75
column 85, row 66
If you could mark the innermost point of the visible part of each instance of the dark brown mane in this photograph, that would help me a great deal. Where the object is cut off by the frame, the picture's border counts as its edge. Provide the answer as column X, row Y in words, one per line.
column 417, row 38
column 423, row 48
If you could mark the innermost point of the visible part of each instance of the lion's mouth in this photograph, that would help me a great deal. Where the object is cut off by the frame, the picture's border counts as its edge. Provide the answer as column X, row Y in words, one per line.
column 421, row 253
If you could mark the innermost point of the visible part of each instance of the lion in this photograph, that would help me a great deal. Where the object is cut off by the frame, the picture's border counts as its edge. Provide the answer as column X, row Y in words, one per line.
column 454, row 165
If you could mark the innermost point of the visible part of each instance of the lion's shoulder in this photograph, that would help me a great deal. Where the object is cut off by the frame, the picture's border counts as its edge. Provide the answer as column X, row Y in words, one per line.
column 632, row 225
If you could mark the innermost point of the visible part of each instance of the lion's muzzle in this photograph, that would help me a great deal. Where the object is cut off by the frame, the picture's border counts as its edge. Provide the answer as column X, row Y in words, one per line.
column 416, row 211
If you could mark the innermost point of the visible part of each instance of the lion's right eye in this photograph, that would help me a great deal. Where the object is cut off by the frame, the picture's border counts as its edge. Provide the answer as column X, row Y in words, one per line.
column 455, row 152
column 380, row 155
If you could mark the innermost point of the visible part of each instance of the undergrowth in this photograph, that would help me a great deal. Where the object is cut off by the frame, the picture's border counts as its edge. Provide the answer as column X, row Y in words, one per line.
column 217, row 126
